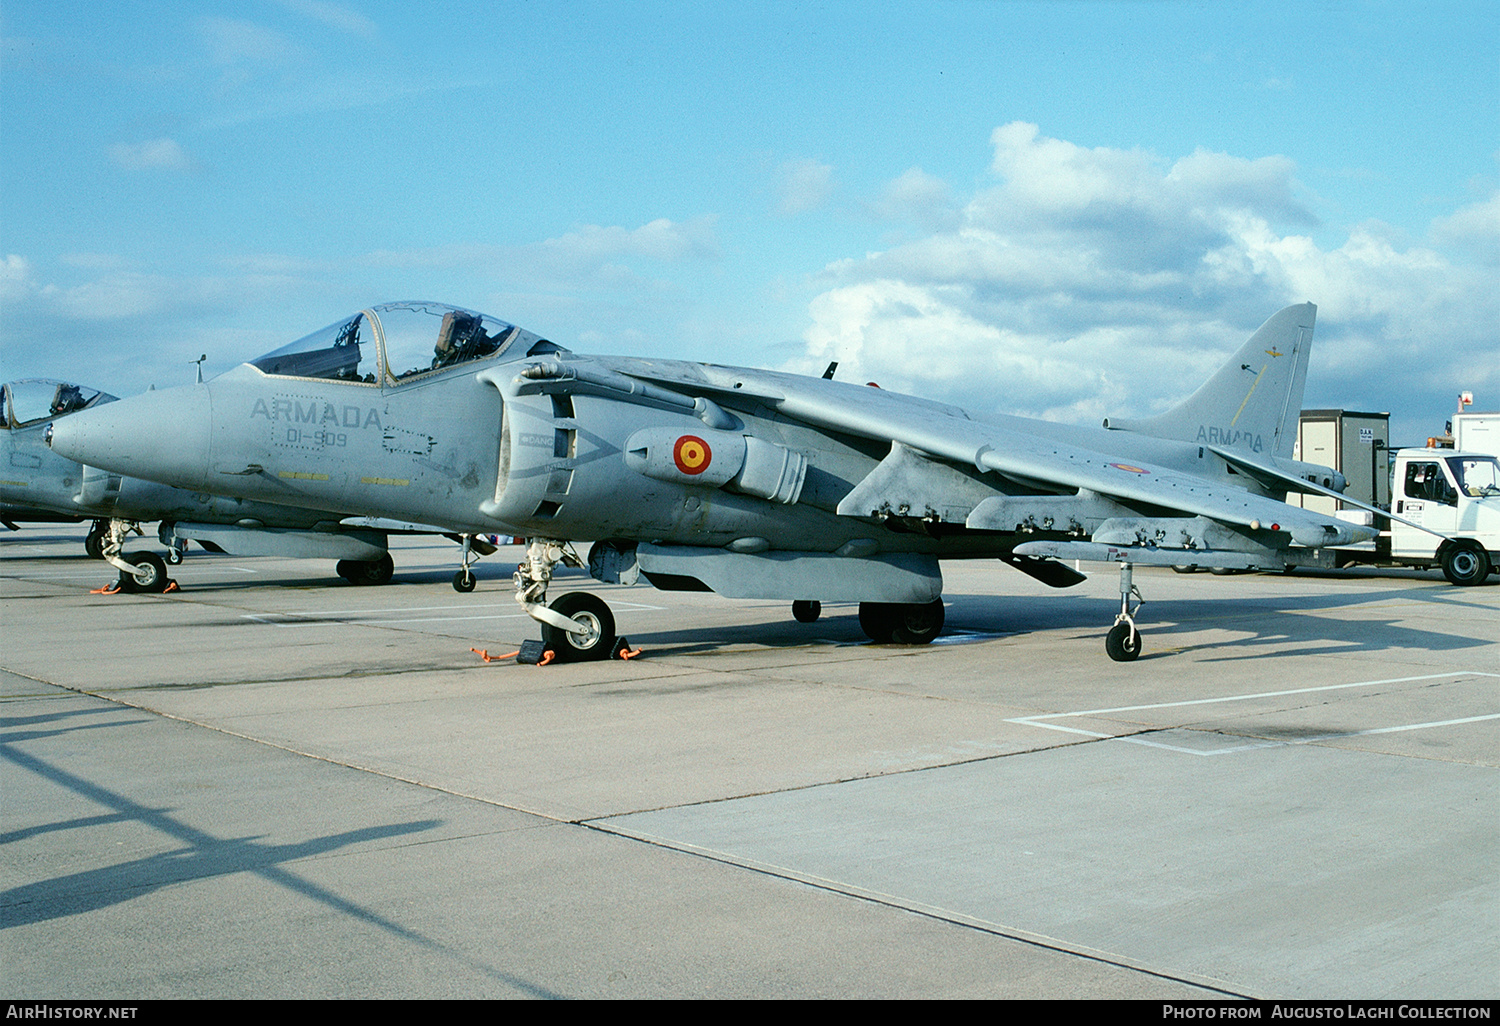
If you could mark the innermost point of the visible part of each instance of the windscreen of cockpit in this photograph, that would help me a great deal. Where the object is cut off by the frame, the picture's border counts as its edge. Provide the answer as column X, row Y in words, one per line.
column 340, row 352
column 425, row 337
column 33, row 399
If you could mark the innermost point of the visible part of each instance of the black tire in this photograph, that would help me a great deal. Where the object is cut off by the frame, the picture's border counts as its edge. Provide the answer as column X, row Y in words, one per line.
column 901, row 623
column 1122, row 643
column 362, row 572
column 174, row 556
column 93, row 542
column 1465, row 563
column 589, row 610
column 464, row 581
column 804, row 611
column 150, row 577
column 1189, row 569
column 877, row 620
column 918, row 623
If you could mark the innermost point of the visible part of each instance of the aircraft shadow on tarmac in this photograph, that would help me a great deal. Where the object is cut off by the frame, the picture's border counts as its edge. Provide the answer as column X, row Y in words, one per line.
column 202, row 856
column 1263, row 621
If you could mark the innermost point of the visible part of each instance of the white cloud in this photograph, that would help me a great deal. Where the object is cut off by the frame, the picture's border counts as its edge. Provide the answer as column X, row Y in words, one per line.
column 1475, row 228
column 333, row 15
column 660, row 239
column 152, row 155
column 1093, row 281
column 802, row 185
column 234, row 42
column 918, row 198
column 16, row 281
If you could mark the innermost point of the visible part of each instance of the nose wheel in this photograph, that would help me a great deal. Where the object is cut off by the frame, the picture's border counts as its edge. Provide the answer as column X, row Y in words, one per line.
column 595, row 641
column 577, row 626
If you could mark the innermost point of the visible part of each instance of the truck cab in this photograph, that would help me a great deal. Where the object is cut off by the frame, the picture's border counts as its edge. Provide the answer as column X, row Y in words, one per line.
column 1457, row 495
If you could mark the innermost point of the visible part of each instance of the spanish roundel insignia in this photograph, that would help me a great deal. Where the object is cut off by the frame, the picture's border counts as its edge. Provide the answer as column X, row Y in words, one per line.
column 691, row 454
column 1129, row 469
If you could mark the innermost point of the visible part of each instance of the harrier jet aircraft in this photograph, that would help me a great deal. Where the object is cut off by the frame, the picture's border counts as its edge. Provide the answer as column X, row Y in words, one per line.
column 750, row 483
column 38, row 484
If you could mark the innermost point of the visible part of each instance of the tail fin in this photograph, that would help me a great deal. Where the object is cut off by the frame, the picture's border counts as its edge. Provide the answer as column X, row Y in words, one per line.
column 1253, row 401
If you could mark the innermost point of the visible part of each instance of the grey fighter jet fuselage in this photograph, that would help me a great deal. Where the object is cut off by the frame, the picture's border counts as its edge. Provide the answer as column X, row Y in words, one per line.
column 750, row 483
column 37, row 483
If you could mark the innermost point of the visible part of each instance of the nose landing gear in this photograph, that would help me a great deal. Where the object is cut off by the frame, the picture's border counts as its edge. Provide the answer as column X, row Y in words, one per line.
column 577, row 626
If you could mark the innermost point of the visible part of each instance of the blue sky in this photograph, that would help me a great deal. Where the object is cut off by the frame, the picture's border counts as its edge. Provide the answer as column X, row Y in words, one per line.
column 1063, row 209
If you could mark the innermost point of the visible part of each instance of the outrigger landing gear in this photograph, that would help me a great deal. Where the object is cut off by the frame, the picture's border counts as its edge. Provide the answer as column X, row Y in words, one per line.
column 1123, row 643
column 576, row 626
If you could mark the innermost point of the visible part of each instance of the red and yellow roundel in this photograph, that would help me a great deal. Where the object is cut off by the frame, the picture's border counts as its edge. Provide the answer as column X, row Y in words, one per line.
column 692, row 454
column 1129, row 469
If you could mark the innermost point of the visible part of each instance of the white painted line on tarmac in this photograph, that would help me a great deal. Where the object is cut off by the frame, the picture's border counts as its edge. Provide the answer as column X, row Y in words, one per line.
column 105, row 570
column 1036, row 721
column 324, row 618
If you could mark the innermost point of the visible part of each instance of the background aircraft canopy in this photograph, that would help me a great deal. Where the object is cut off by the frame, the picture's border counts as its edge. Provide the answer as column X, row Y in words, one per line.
column 33, row 399
column 394, row 343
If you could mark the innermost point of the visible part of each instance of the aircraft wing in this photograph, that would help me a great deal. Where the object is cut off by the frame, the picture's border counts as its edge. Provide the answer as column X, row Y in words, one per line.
column 948, row 433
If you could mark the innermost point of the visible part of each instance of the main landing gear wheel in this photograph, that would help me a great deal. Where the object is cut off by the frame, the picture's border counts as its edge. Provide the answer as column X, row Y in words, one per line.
column 464, row 581
column 804, row 611
column 901, row 623
column 150, row 577
column 1465, row 563
column 93, row 542
column 590, row 610
column 373, row 571
column 1123, row 643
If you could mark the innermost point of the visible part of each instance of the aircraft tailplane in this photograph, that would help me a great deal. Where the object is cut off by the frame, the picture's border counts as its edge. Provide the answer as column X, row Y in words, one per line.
column 1253, row 402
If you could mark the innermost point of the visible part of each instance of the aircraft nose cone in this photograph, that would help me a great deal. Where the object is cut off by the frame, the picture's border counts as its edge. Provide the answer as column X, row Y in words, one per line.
column 160, row 436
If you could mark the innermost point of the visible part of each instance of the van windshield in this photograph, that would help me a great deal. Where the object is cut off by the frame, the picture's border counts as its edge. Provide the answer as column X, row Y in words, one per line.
column 1477, row 476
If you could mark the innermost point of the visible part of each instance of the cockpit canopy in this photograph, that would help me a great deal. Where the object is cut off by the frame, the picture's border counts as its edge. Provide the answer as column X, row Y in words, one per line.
column 33, row 399
column 395, row 343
